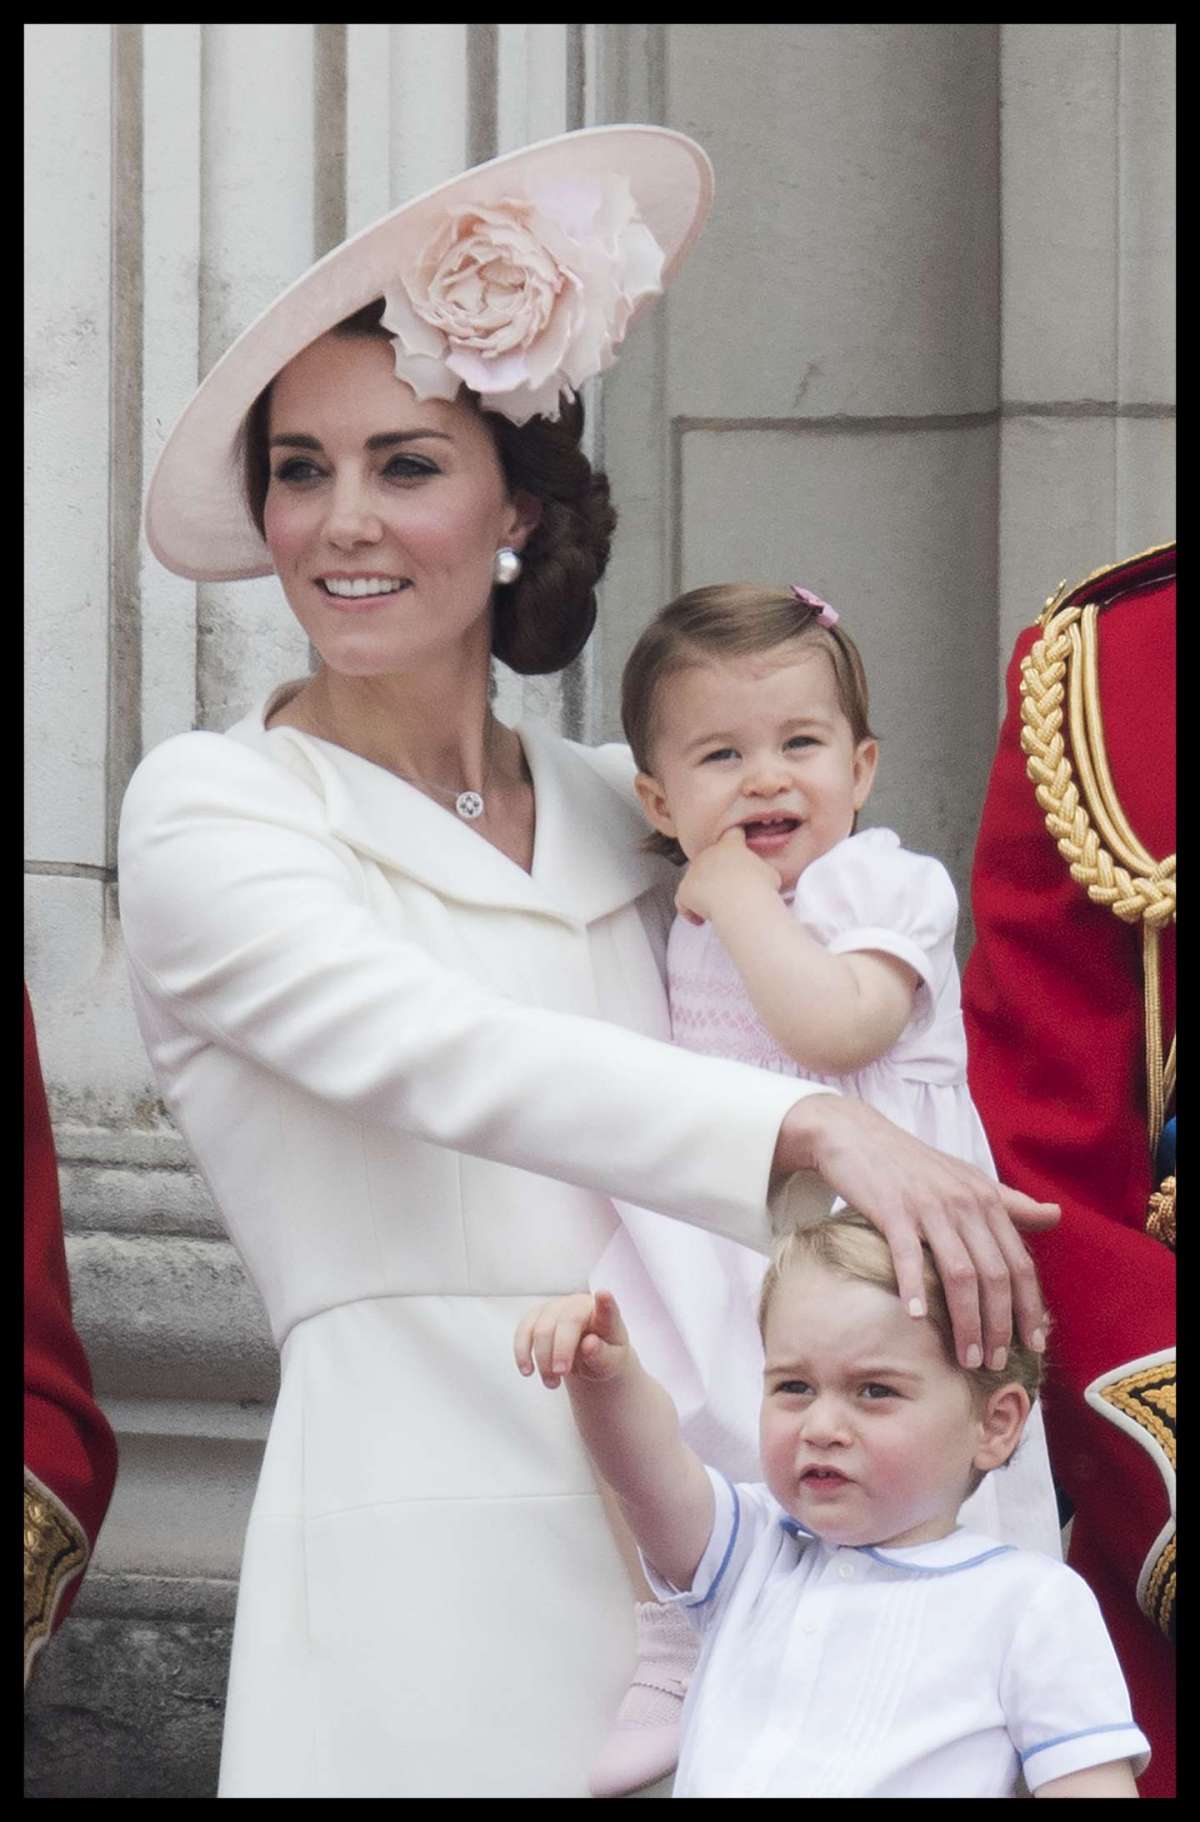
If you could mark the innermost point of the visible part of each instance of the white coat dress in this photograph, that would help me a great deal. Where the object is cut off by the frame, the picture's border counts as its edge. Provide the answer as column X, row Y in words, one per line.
column 413, row 1075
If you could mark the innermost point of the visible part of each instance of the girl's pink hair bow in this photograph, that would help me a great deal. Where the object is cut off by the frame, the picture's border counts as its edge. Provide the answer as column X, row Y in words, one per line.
column 826, row 615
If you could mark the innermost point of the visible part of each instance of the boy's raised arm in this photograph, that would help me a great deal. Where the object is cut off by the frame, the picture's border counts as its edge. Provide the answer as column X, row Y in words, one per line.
column 629, row 1425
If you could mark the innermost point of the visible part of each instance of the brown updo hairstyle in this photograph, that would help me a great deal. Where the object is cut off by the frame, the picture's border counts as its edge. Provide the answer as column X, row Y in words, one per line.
column 544, row 619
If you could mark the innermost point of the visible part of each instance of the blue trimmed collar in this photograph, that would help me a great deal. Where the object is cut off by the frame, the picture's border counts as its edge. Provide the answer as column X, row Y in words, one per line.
column 961, row 1549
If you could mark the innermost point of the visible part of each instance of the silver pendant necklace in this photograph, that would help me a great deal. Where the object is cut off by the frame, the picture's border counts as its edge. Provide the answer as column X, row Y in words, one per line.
column 469, row 804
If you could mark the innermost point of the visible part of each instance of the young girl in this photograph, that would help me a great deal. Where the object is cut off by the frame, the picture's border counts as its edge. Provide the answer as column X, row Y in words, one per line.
column 856, row 1640
column 802, row 947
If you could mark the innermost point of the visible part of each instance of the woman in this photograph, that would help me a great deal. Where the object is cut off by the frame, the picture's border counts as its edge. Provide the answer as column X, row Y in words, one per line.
column 398, row 971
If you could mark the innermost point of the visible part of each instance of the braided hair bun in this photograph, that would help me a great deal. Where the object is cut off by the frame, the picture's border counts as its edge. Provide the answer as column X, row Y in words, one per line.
column 543, row 620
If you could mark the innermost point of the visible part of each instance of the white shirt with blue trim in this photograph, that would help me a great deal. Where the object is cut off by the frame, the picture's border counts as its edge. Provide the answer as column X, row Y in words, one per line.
column 938, row 1670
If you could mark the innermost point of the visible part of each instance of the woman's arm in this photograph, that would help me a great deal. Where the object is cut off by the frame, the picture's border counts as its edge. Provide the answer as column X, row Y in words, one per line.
column 247, row 918
column 1112, row 1780
column 248, row 922
column 629, row 1425
column 833, row 1013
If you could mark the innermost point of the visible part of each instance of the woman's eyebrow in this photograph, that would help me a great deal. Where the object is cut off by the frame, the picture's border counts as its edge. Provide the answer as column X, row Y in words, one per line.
column 383, row 439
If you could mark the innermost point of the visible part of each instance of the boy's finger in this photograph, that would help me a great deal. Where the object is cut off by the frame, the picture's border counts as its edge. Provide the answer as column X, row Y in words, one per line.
column 543, row 1345
column 566, row 1339
column 521, row 1345
column 604, row 1307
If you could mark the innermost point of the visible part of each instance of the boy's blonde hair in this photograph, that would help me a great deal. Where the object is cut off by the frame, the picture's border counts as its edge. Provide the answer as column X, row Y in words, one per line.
column 849, row 1246
column 729, row 620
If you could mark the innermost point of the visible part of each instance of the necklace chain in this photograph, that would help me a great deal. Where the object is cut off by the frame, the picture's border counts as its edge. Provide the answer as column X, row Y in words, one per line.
column 469, row 804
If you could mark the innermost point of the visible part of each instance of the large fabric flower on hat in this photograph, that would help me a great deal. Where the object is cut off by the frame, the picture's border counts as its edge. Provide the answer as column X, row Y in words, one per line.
column 524, row 297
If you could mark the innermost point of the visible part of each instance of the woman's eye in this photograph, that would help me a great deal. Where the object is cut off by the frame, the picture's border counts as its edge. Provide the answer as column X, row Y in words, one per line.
column 409, row 468
column 296, row 468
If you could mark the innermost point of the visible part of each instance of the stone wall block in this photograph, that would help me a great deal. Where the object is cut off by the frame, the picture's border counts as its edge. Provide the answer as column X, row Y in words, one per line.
column 850, row 264
column 1059, row 210
column 96, row 1071
column 127, row 1708
column 137, row 1200
column 181, row 1503
column 1146, row 127
column 1146, row 482
column 1094, row 519
column 171, row 1317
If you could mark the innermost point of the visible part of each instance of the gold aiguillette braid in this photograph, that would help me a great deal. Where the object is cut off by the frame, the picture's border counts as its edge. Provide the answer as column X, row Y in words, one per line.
column 1121, row 874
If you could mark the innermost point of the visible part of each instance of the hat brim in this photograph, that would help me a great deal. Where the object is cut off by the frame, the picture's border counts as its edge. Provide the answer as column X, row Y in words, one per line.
column 197, row 522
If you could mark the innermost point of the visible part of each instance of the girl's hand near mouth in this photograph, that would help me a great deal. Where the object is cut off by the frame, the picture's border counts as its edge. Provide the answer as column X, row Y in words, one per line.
column 726, row 872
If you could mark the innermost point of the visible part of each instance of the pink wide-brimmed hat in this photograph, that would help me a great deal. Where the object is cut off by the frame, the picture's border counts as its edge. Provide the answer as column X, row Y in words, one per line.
column 519, row 279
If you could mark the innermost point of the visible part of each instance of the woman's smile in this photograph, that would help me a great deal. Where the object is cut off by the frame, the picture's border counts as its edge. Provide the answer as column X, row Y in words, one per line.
column 363, row 472
column 363, row 595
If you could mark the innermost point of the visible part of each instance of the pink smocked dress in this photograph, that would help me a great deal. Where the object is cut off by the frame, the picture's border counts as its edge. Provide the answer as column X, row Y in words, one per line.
column 690, row 1298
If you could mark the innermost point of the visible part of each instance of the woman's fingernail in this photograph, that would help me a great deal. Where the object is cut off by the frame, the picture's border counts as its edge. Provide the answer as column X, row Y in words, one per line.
column 915, row 1307
column 974, row 1357
column 1037, row 1341
column 998, row 1359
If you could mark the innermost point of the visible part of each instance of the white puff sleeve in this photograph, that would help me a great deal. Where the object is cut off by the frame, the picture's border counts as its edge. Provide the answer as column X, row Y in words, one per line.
column 869, row 893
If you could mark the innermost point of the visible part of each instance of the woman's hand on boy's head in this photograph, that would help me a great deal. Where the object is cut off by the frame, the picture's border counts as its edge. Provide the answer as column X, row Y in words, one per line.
column 579, row 1334
column 718, row 873
column 911, row 1192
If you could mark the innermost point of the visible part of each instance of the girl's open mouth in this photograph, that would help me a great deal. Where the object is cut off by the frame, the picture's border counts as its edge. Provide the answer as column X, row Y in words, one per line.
column 770, row 833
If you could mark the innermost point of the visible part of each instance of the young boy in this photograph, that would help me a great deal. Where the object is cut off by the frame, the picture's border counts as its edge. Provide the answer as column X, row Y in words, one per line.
column 855, row 1641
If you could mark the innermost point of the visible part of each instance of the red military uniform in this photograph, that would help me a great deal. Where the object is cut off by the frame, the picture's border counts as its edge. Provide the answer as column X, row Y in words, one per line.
column 70, row 1452
column 1072, row 869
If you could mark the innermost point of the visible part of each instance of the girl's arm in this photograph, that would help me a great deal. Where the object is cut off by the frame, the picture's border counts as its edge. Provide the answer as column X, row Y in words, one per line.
column 1112, row 1780
column 629, row 1425
column 833, row 1013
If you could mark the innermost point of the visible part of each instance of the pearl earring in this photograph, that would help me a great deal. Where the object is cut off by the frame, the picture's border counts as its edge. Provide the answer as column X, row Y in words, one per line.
column 506, row 567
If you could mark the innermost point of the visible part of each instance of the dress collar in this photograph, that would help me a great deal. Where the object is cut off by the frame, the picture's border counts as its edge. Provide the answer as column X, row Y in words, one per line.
column 588, row 859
